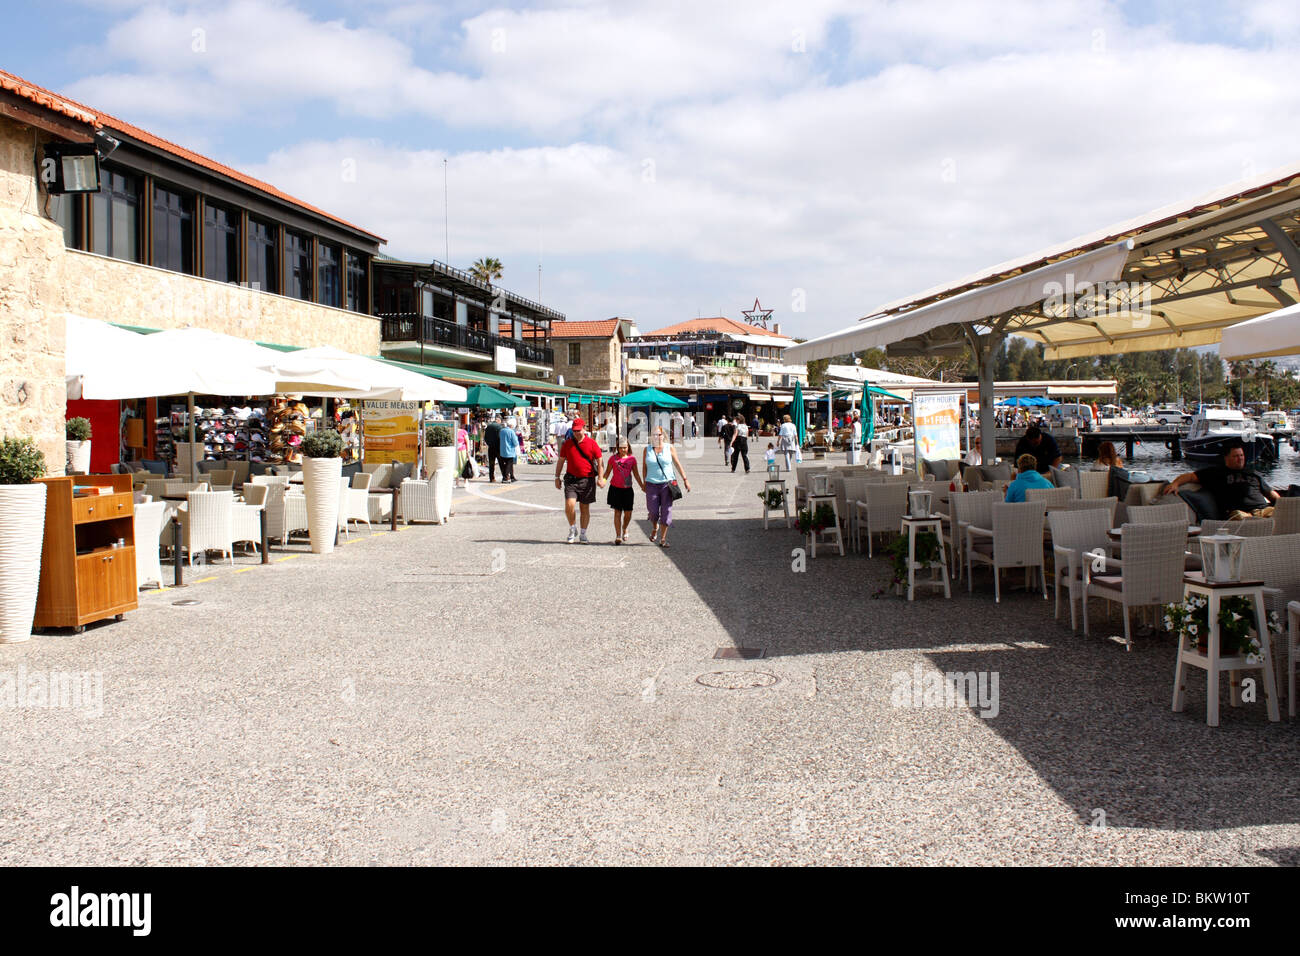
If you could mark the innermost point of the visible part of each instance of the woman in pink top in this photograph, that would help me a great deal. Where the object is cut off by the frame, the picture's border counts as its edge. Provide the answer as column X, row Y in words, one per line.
column 462, row 451
column 621, row 470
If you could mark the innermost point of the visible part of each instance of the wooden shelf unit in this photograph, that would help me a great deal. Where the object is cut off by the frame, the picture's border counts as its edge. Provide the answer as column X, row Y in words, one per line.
column 84, row 577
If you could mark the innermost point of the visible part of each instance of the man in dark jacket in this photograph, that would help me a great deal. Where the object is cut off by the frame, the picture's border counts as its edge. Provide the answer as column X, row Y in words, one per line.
column 492, row 439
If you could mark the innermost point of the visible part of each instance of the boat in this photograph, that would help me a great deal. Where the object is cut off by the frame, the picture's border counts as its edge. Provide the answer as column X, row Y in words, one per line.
column 1276, row 424
column 1214, row 426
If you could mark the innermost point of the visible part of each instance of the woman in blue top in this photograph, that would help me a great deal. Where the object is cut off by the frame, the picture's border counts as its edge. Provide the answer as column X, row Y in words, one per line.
column 661, row 468
column 1029, row 477
column 508, row 442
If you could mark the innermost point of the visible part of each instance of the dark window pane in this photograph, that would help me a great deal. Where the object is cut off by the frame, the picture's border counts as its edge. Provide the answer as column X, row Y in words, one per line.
column 331, row 281
column 221, row 244
column 115, row 209
column 67, row 213
column 297, row 263
column 173, row 230
column 358, row 298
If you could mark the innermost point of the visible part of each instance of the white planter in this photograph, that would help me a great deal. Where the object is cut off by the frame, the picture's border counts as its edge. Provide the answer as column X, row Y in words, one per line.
column 78, row 456
column 320, row 483
column 439, row 457
column 22, row 529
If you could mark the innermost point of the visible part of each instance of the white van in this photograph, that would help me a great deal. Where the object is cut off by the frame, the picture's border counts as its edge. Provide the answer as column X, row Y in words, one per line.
column 1071, row 415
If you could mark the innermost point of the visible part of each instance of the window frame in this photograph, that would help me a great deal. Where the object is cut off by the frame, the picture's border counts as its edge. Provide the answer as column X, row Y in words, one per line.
column 168, row 214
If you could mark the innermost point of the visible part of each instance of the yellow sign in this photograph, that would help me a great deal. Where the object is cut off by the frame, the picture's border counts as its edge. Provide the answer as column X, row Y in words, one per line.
column 391, row 431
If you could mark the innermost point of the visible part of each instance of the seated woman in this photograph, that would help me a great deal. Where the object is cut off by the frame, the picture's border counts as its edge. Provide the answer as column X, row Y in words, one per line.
column 1028, row 477
column 1107, row 457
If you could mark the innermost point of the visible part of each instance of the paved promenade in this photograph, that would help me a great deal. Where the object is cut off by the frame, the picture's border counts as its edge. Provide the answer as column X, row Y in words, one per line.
column 484, row 693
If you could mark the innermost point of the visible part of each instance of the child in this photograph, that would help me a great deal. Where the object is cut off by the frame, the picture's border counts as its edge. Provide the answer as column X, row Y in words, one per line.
column 622, row 466
column 771, row 454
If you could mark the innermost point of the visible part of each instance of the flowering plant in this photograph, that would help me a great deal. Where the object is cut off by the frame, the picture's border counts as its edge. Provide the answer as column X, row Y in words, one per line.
column 772, row 497
column 927, row 552
column 1238, row 633
column 810, row 522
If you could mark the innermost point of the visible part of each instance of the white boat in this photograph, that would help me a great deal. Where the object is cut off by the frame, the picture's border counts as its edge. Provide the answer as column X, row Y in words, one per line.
column 1277, row 425
column 1215, row 426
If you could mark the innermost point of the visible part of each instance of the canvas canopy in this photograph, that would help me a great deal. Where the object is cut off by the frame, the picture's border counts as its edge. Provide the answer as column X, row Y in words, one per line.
column 1277, row 333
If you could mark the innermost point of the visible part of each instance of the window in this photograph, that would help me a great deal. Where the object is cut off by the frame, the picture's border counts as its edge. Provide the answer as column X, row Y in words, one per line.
column 263, row 256
column 173, row 230
column 575, row 353
column 220, row 243
column 358, row 296
column 329, row 289
column 297, row 266
column 66, row 211
column 115, row 214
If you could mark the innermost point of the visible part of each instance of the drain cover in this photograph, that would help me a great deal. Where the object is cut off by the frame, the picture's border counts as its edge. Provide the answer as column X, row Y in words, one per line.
column 738, row 680
column 186, row 603
column 737, row 653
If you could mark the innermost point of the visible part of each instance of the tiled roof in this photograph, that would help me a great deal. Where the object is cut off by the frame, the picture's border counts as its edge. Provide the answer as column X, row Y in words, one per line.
column 602, row 329
column 716, row 324
column 79, row 111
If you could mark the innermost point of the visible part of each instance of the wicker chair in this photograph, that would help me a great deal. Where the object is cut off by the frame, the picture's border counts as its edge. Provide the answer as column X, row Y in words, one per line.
column 222, row 479
column 174, row 487
column 939, row 489
column 246, row 518
column 1015, row 540
column 1174, row 513
column 1286, row 516
column 295, row 515
column 1107, row 505
column 855, row 490
column 1052, row 497
column 358, row 498
column 1292, row 652
column 1275, row 560
column 1245, row 527
column 148, row 528
column 273, row 505
column 1093, row 484
column 881, row 510
column 426, row 500
column 1151, row 567
column 155, row 488
column 206, row 524
column 1078, row 535
column 968, row 508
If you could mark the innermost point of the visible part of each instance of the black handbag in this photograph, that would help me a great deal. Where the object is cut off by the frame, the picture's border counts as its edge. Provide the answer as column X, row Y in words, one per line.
column 673, row 488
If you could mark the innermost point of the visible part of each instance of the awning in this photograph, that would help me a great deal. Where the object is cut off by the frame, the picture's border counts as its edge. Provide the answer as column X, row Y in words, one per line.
column 1083, row 391
column 975, row 305
column 759, row 397
column 1277, row 333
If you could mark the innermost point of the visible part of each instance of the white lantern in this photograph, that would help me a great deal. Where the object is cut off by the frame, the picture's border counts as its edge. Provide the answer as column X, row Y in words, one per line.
column 821, row 484
column 773, row 470
column 919, row 503
column 1221, row 557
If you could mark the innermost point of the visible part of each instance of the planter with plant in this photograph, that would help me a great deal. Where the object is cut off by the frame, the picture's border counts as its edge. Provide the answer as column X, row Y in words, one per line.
column 440, row 449
column 77, row 433
column 1237, row 631
column 22, row 531
column 322, row 473
column 773, row 498
column 815, row 522
column 925, row 556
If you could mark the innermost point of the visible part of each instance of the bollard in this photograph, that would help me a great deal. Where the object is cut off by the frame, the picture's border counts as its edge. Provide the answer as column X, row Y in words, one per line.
column 266, row 558
column 179, row 576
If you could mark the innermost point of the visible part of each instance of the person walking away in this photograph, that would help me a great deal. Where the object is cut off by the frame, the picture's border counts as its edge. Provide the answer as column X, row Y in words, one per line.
column 662, row 468
column 509, row 442
column 492, row 439
column 725, row 432
column 771, row 454
column 740, row 444
column 788, row 441
column 579, row 459
column 620, row 472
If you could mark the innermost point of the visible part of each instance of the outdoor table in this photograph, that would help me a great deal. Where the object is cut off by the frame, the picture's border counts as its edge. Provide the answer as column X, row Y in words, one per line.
column 911, row 526
column 393, row 492
column 1117, row 533
column 1210, row 659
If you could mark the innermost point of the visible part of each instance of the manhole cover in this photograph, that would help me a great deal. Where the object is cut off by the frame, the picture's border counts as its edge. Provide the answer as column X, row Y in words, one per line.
column 737, row 653
column 737, row 680
column 186, row 603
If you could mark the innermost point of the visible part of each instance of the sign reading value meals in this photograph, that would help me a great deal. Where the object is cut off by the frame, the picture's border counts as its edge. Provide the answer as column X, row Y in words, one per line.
column 392, row 431
column 938, row 426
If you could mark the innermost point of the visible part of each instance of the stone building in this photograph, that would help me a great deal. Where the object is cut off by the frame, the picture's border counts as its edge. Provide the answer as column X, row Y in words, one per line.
column 589, row 354
column 171, row 239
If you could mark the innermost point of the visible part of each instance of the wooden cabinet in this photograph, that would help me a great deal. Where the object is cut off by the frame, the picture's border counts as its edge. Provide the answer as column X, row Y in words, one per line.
column 85, row 575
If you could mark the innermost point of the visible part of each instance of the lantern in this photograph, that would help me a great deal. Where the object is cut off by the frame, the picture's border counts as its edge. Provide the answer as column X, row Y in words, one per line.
column 919, row 503
column 821, row 484
column 1221, row 557
column 773, row 471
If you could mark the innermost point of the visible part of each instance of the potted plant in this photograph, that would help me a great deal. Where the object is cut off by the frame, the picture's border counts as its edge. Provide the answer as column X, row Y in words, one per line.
column 814, row 522
column 772, row 498
column 322, row 471
column 22, row 531
column 77, row 432
column 927, row 555
column 440, row 449
column 1238, row 633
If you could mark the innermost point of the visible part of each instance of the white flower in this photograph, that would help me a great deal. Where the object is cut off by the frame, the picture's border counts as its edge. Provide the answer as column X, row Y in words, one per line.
column 1236, row 616
column 1191, row 628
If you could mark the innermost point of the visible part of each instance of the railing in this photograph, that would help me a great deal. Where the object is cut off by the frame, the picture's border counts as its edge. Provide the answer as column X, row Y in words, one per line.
column 406, row 327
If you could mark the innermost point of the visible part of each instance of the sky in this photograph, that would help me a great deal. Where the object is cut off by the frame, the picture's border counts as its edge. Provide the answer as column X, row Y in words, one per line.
column 662, row 160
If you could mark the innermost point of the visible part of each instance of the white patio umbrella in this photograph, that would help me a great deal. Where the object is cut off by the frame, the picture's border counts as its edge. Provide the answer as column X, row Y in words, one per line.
column 383, row 381
column 105, row 362
column 1277, row 333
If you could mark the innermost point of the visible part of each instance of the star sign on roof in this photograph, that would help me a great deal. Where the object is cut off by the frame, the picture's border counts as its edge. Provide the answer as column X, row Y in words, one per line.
column 757, row 315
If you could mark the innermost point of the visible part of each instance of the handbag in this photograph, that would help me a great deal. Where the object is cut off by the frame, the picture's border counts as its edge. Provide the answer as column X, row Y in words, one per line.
column 673, row 488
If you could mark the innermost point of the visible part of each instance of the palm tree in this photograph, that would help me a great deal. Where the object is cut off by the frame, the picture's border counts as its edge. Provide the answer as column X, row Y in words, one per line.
column 486, row 269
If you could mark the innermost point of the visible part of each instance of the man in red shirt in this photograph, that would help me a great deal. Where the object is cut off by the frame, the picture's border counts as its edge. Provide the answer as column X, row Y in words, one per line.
column 580, row 453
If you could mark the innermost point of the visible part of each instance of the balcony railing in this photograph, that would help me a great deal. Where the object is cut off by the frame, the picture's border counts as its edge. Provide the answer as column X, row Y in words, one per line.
column 407, row 327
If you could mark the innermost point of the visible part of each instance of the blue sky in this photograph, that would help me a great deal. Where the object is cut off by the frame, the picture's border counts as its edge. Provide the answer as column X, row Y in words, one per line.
column 674, row 159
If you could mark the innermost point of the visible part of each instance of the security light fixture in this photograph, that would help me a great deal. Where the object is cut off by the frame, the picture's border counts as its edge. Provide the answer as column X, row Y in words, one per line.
column 70, row 168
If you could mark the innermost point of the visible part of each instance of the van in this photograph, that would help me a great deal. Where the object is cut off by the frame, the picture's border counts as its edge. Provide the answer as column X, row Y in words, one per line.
column 1071, row 415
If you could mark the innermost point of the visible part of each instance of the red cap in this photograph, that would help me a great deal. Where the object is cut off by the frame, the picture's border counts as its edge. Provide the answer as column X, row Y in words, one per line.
column 578, row 423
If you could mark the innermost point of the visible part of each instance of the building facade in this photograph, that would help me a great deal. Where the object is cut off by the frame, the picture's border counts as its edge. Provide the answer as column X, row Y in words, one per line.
column 589, row 355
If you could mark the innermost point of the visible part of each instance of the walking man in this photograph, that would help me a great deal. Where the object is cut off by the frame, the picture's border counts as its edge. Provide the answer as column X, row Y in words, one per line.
column 740, row 443
column 725, row 430
column 492, row 439
column 579, row 454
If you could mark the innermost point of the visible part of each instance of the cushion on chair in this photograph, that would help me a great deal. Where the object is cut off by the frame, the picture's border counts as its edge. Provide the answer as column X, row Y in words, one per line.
column 940, row 468
column 351, row 468
column 1119, row 484
column 155, row 467
column 1203, row 503
column 401, row 471
column 1113, row 582
column 999, row 472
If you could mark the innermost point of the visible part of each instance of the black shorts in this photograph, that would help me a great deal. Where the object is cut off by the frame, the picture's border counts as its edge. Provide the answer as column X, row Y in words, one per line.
column 621, row 499
column 583, row 490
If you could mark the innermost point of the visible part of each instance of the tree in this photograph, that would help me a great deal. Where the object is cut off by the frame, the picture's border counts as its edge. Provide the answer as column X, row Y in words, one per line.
column 487, row 269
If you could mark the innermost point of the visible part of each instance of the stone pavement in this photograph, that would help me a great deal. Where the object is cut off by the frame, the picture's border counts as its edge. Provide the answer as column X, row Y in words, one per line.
column 484, row 693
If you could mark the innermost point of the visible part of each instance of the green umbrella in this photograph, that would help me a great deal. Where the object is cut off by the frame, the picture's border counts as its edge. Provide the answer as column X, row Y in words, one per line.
column 485, row 396
column 868, row 416
column 650, row 399
column 799, row 413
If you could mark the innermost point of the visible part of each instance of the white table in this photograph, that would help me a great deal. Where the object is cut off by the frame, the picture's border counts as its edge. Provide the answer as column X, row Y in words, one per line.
column 911, row 526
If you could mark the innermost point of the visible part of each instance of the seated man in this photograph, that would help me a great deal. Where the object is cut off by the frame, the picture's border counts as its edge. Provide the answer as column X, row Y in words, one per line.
column 1029, row 477
column 1239, row 491
column 1042, row 446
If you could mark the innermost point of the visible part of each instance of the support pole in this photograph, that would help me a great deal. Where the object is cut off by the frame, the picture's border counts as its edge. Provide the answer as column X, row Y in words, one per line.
column 986, row 352
column 266, row 558
column 178, row 577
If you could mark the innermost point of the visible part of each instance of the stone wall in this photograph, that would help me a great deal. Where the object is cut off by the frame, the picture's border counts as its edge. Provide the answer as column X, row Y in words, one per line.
column 33, row 391
column 598, row 369
column 40, row 280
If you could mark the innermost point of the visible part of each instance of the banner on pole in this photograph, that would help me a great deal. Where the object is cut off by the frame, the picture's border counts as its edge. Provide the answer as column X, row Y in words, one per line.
column 392, row 431
column 937, row 426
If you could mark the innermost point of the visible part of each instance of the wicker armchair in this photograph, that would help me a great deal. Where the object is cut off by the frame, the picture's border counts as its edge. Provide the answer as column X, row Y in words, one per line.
column 155, row 488
column 855, row 490
column 1151, row 567
column 1078, row 536
column 222, row 479
column 1292, row 652
column 246, row 518
column 1015, row 540
column 1093, row 484
column 273, row 505
column 358, row 498
column 1173, row 513
column 295, row 515
column 426, row 500
column 1286, row 516
column 149, row 519
column 174, row 487
column 1245, row 527
column 968, row 508
column 881, row 510
column 1052, row 497
column 939, row 489
column 206, row 524
column 1107, row 505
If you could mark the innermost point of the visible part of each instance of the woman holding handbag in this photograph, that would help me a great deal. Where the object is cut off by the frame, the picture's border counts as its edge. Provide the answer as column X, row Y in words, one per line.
column 662, row 468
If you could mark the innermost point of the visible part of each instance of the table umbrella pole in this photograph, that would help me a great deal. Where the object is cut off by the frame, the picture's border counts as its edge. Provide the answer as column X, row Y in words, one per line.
column 194, row 465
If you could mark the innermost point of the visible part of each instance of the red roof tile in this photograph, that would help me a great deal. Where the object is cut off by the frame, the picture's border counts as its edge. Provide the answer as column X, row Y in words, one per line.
column 716, row 324
column 68, row 107
column 602, row 329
